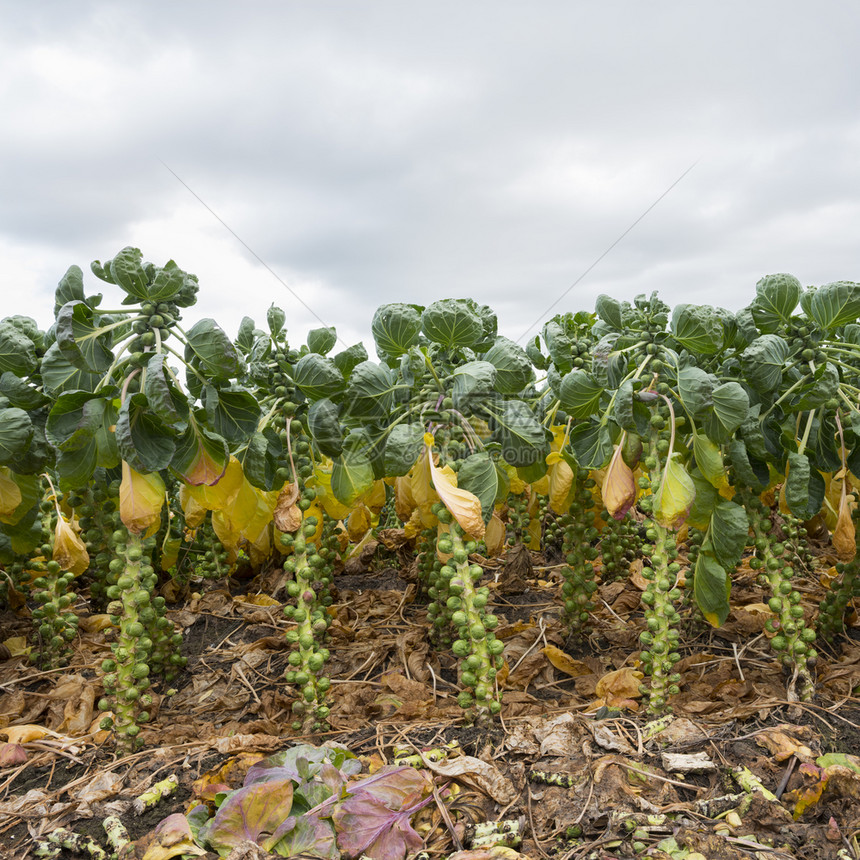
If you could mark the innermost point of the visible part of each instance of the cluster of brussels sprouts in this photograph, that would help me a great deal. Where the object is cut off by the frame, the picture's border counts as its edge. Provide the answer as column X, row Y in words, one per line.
column 840, row 595
column 662, row 595
column 620, row 545
column 579, row 552
column 476, row 646
column 436, row 587
column 153, row 327
column 792, row 639
column 56, row 623
column 314, row 548
column 205, row 557
column 96, row 510
column 518, row 518
column 146, row 644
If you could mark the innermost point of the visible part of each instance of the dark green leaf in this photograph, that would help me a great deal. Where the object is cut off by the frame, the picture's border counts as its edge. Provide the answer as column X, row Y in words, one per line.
column 260, row 459
column 247, row 335
column 163, row 395
column 521, row 436
column 396, row 327
column 609, row 310
column 629, row 413
column 168, row 283
column 591, row 444
column 352, row 472
column 763, row 362
column 479, row 476
column 126, row 270
column 474, row 383
column 70, row 288
column 74, row 420
column 348, row 359
column 513, row 368
column 711, row 586
column 324, row 426
column 403, row 447
column 745, row 467
column 232, row 414
column 695, row 388
column 452, row 323
column 537, row 358
column 776, row 299
column 698, row 329
column 20, row 394
column 318, row 377
column 559, row 345
column 823, row 385
column 729, row 409
column 143, row 440
column 209, row 345
column 580, row 394
column 835, row 304
column 75, row 468
column 728, row 533
column 370, row 392
column 16, row 431
column 322, row 340
column 804, row 487
column 17, row 351
column 275, row 318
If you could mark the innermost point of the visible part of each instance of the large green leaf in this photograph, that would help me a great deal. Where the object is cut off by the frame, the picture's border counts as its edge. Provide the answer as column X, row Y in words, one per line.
column 17, row 351
column 165, row 398
column 168, row 283
column 474, row 382
column 324, row 426
column 513, row 368
column 322, row 340
column 402, row 448
column 537, row 358
column 20, row 394
column 522, row 438
column 348, row 359
column 127, row 271
column 16, row 431
column 580, row 394
column 711, row 586
column 745, row 467
column 396, row 327
column 59, row 375
column 370, row 391
column 591, row 445
column 70, row 288
column 74, row 420
column 232, row 413
column 695, row 388
column 201, row 456
column 835, row 304
column 776, row 298
column 609, row 310
column 478, row 475
column 143, row 440
column 729, row 408
column 75, row 468
column 698, row 329
column 728, row 533
column 559, row 345
column 452, row 324
column 763, row 362
column 317, row 376
column 804, row 487
column 210, row 347
column 630, row 414
column 260, row 459
column 822, row 386
column 352, row 472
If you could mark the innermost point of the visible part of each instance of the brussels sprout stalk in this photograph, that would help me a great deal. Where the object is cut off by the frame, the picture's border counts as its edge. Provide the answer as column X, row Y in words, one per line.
column 479, row 651
column 579, row 531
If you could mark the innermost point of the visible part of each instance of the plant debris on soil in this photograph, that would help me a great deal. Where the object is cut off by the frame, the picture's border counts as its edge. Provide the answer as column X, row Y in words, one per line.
column 735, row 771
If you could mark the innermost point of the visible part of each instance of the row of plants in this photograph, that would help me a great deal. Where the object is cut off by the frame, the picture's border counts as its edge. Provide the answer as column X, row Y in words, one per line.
column 134, row 451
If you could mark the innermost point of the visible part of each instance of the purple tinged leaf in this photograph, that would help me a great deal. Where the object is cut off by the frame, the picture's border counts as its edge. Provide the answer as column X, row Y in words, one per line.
column 284, row 765
column 367, row 826
column 306, row 835
column 253, row 813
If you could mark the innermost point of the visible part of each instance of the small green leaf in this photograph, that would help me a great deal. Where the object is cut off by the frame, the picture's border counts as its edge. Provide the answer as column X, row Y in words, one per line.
column 318, row 377
column 352, row 472
column 763, row 362
column 609, row 310
column 591, row 445
column 580, row 394
column 479, row 476
column 232, row 413
column 452, row 324
column 396, row 327
column 275, row 318
column 322, row 340
column 698, row 329
column 16, row 431
column 776, row 298
column 17, row 351
column 324, row 427
column 403, row 447
column 711, row 586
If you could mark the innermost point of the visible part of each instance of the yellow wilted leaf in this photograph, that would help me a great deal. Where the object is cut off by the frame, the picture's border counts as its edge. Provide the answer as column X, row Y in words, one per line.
column 335, row 509
column 404, row 504
column 140, row 499
column 10, row 493
column 358, row 523
column 709, row 460
column 194, row 512
column 541, row 487
column 619, row 685
column 494, row 536
column 258, row 600
column 17, row 646
column 844, row 536
column 287, row 516
column 535, row 533
column 675, row 496
column 69, row 550
column 170, row 552
column 463, row 505
column 619, row 486
column 565, row 663
column 220, row 495
column 560, row 482
column 374, row 498
column 27, row 733
column 413, row 526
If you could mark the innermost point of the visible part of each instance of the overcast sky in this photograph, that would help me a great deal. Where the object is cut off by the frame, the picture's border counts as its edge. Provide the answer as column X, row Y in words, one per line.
column 380, row 150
